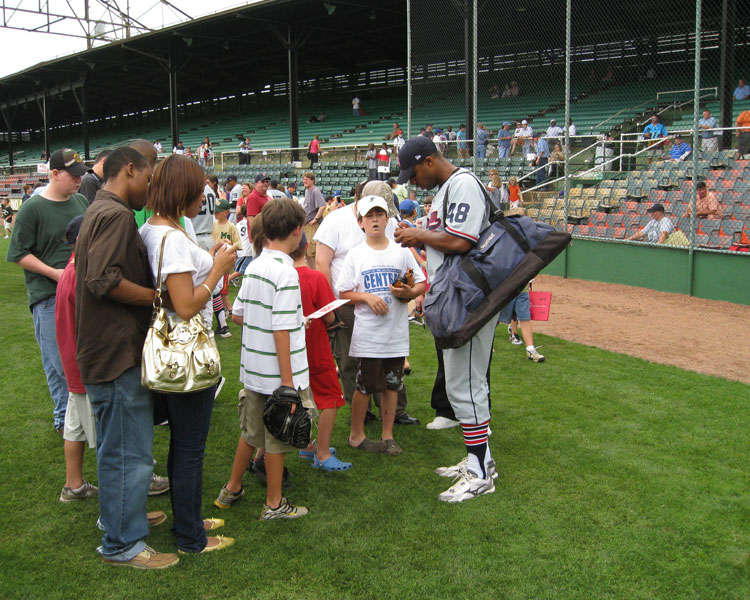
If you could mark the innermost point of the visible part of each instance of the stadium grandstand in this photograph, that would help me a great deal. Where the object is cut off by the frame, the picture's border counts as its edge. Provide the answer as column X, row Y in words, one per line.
column 282, row 71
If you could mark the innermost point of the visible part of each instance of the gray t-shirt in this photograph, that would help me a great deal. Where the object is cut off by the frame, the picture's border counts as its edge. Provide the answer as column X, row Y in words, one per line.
column 313, row 201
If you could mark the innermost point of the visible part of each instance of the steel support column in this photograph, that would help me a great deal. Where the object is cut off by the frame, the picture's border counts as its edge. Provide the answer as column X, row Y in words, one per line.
column 726, row 69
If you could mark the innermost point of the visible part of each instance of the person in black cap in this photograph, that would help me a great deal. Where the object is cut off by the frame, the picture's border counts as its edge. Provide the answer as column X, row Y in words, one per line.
column 93, row 181
column 657, row 229
column 453, row 229
column 38, row 247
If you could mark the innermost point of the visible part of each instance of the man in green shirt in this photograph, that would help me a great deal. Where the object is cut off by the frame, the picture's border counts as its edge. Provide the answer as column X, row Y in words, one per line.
column 38, row 246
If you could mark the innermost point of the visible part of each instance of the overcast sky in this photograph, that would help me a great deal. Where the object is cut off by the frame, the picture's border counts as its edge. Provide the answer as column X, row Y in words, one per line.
column 21, row 49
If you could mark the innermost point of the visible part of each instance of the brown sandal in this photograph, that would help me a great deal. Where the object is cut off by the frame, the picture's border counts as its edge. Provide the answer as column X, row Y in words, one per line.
column 368, row 445
column 391, row 448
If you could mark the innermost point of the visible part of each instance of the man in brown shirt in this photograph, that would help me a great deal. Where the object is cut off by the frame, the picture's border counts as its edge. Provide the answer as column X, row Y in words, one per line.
column 114, row 293
column 706, row 204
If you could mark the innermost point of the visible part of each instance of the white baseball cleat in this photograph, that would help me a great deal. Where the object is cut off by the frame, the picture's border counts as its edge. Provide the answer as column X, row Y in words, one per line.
column 442, row 423
column 468, row 486
column 457, row 469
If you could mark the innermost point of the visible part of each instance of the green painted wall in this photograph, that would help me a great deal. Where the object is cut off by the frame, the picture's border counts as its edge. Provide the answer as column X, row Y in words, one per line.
column 715, row 276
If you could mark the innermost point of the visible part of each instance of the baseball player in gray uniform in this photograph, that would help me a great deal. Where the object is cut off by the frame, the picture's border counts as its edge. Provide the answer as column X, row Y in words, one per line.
column 203, row 222
column 466, row 215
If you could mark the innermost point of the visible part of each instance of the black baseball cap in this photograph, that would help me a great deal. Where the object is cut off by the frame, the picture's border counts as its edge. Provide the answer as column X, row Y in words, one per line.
column 656, row 208
column 292, row 184
column 413, row 152
column 68, row 160
column 231, row 178
column 261, row 177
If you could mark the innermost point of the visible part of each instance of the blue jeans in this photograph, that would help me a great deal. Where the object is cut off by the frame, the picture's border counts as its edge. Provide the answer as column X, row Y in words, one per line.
column 541, row 174
column 502, row 151
column 124, row 412
column 43, row 313
column 189, row 421
column 481, row 150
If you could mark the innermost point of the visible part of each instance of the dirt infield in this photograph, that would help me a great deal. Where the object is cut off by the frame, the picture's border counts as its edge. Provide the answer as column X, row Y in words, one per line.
column 707, row 336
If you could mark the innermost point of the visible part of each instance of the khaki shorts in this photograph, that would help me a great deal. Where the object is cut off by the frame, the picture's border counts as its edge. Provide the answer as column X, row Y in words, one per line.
column 309, row 233
column 254, row 432
column 376, row 375
column 80, row 423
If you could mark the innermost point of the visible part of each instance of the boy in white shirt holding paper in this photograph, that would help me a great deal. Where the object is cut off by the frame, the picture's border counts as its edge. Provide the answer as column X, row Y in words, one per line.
column 380, row 339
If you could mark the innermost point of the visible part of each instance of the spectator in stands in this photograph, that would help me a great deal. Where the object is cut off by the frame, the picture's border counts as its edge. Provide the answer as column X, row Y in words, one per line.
column 463, row 147
column 742, row 91
column 554, row 130
column 355, row 108
column 516, row 138
column 393, row 133
column 743, row 134
column 706, row 204
column 313, row 150
column 273, row 190
column 384, row 162
column 542, row 157
column 507, row 91
column 654, row 132
column 38, row 247
column 189, row 152
column 514, row 193
column 526, row 137
column 572, row 127
column 92, row 181
column 398, row 142
column 709, row 141
column 515, row 91
column 371, row 156
column 314, row 205
column 495, row 91
column 178, row 149
column 428, row 131
column 450, row 134
column 504, row 138
column 481, row 140
column 322, row 117
column 657, row 229
column 439, row 140
column 498, row 192
column 158, row 146
column 680, row 150
column 245, row 148
column 399, row 192
column 557, row 156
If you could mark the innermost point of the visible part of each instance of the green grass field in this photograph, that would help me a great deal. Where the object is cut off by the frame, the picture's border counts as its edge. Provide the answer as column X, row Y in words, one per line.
column 619, row 478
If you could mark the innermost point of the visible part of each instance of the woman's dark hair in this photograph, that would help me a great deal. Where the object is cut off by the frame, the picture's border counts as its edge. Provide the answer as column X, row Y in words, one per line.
column 176, row 183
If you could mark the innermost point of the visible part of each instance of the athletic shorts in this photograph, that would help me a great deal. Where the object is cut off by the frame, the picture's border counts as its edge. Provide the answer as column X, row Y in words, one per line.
column 520, row 305
column 326, row 389
column 253, row 431
column 6, row 225
column 309, row 234
column 376, row 375
column 80, row 424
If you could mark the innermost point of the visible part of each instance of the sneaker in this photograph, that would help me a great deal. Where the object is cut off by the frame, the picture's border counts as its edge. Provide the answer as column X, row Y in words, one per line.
column 286, row 510
column 158, row 486
column 86, row 491
column 456, row 470
column 224, row 332
column 227, row 498
column 442, row 423
column 515, row 340
column 219, row 385
column 468, row 486
column 148, row 558
column 534, row 355
column 155, row 518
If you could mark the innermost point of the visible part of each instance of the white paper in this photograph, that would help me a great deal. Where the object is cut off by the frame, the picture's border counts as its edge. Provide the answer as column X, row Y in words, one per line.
column 326, row 309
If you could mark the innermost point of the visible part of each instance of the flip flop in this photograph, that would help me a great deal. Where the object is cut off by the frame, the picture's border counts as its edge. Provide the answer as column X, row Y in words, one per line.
column 331, row 464
column 307, row 454
column 368, row 445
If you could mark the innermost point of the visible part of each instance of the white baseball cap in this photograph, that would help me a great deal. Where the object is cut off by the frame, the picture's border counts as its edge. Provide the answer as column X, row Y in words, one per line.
column 524, row 122
column 367, row 203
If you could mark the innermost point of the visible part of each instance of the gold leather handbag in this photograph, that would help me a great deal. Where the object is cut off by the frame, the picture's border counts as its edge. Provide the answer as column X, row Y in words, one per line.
column 178, row 356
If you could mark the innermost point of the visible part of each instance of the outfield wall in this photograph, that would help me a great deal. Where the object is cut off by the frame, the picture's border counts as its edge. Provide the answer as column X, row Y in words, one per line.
column 712, row 275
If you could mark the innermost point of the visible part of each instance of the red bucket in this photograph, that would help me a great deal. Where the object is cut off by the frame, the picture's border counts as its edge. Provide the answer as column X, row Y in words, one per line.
column 540, row 303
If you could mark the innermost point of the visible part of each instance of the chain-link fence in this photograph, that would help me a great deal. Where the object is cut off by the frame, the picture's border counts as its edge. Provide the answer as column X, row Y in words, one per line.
column 639, row 107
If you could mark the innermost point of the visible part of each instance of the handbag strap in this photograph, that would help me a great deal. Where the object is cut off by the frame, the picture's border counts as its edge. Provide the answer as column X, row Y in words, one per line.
column 157, row 296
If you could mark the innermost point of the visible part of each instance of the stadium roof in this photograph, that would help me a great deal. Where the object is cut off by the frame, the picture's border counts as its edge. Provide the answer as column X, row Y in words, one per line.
column 238, row 49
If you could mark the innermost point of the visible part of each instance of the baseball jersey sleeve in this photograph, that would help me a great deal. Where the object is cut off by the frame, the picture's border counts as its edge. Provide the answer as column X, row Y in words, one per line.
column 467, row 211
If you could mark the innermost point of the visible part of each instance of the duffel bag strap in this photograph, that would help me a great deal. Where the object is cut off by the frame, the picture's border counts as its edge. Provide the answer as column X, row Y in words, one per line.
column 475, row 274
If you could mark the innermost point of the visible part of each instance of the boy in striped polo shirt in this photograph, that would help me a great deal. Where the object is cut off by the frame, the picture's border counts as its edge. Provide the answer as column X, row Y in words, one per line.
column 269, row 309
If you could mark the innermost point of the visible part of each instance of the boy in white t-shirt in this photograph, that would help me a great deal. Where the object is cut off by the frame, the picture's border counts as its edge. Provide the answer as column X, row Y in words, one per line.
column 245, row 255
column 380, row 339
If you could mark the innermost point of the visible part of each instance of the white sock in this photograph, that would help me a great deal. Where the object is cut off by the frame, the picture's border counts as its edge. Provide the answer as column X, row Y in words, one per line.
column 221, row 316
column 529, row 348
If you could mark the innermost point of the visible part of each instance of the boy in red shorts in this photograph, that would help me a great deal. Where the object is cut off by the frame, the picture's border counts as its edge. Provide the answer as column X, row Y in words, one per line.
column 324, row 383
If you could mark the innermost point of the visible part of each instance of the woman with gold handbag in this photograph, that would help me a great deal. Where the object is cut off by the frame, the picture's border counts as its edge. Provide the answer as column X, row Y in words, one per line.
column 178, row 339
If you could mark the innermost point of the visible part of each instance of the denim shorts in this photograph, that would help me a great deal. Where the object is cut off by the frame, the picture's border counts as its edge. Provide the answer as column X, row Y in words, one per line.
column 520, row 306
